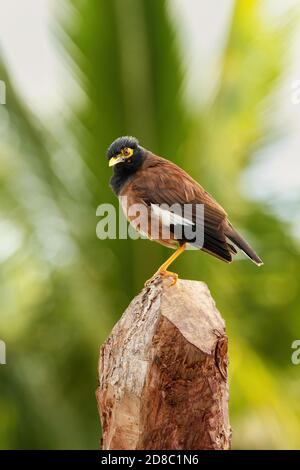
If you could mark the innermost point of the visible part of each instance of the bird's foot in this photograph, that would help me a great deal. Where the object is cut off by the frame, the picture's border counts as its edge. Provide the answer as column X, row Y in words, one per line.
column 163, row 274
column 170, row 274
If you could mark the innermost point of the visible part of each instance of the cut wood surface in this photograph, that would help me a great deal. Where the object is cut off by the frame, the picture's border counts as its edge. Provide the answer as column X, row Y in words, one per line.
column 163, row 372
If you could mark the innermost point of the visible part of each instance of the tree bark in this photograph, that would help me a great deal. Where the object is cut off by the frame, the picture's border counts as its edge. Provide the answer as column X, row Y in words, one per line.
column 163, row 372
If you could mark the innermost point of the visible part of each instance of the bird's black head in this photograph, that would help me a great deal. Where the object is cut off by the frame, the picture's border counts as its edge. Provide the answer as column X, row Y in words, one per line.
column 122, row 150
column 126, row 156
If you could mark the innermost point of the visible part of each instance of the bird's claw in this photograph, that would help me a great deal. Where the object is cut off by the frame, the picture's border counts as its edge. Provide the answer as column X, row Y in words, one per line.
column 162, row 275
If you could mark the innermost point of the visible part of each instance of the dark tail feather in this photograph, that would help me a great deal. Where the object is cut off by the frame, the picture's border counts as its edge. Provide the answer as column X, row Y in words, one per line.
column 238, row 240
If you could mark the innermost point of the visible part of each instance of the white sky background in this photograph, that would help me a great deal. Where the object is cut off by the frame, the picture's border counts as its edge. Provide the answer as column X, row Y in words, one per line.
column 25, row 41
column 27, row 44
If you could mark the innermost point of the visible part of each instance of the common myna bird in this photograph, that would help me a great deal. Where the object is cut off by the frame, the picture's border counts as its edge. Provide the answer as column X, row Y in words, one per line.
column 155, row 184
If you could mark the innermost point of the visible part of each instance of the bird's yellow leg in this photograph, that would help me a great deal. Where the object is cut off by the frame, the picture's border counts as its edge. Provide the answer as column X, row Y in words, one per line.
column 162, row 270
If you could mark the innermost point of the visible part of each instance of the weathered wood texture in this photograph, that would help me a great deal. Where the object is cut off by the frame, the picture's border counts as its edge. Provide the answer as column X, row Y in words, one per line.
column 163, row 372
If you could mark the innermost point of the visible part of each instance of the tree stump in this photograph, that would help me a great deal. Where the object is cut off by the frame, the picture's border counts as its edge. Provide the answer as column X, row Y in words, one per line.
column 163, row 372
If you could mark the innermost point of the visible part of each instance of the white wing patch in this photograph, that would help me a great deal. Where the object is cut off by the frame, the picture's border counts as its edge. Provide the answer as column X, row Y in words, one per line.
column 170, row 218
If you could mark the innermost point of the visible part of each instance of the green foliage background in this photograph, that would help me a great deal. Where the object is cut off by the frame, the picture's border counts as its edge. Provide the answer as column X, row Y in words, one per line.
column 62, row 289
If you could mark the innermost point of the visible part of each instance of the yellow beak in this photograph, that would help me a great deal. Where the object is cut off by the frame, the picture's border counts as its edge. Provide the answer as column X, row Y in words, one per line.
column 115, row 160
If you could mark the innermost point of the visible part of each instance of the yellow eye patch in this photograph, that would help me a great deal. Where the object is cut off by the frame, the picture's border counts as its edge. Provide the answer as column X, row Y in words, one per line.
column 127, row 152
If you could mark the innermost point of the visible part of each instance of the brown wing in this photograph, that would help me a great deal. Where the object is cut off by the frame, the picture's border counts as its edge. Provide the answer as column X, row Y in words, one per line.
column 162, row 182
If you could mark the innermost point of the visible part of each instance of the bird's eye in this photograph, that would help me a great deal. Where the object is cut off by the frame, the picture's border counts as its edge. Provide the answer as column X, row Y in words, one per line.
column 127, row 152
